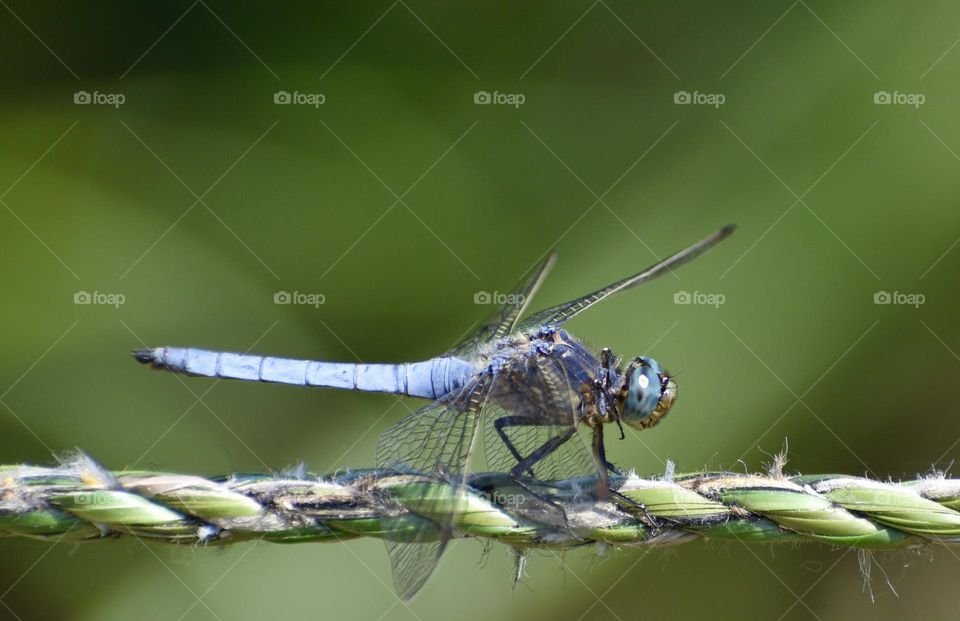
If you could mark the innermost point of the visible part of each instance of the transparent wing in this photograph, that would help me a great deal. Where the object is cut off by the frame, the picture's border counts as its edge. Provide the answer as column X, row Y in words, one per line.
column 412, row 564
column 560, row 313
column 435, row 441
column 503, row 321
column 529, row 402
column 530, row 423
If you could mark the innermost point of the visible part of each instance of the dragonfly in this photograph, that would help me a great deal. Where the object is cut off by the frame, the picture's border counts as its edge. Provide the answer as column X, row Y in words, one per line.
column 522, row 387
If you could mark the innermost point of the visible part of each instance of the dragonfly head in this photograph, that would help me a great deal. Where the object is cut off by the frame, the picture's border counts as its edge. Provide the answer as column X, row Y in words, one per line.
column 649, row 393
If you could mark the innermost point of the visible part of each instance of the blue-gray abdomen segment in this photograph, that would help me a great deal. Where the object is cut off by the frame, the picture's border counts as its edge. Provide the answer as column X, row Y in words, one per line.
column 430, row 379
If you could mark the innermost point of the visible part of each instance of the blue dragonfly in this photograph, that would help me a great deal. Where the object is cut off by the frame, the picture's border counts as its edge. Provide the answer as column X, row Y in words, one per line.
column 524, row 388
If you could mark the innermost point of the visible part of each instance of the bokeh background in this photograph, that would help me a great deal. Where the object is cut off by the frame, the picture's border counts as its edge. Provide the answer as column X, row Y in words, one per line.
column 198, row 198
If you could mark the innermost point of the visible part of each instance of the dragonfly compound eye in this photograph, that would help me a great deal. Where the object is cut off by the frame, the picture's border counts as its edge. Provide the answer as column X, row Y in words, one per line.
column 643, row 396
column 650, row 394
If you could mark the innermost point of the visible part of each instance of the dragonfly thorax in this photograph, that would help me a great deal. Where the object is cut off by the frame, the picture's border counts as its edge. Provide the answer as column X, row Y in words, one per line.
column 647, row 393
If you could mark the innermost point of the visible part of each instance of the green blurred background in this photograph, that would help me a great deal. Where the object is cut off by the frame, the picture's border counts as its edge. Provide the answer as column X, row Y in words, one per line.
column 837, row 198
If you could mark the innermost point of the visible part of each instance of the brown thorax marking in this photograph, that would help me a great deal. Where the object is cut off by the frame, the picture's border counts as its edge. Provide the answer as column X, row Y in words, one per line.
column 588, row 403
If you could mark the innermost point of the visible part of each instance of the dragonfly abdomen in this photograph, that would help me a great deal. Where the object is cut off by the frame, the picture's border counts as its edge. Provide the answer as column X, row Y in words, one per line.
column 430, row 379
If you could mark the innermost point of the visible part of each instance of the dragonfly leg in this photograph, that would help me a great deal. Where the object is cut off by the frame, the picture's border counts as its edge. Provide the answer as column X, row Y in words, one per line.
column 600, row 451
column 525, row 464
column 639, row 505
column 556, row 506
column 600, row 454
column 603, row 480
column 510, row 421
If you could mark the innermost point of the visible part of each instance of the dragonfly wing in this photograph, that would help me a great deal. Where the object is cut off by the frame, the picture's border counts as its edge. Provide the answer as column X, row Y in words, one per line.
column 531, row 415
column 504, row 320
column 435, row 441
column 528, row 399
column 557, row 315
column 412, row 564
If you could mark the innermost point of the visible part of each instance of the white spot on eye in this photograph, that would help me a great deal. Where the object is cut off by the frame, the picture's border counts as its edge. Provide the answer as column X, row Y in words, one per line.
column 644, row 381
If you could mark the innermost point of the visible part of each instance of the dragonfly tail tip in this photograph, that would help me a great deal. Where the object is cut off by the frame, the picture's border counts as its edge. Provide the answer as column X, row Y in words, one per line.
column 144, row 355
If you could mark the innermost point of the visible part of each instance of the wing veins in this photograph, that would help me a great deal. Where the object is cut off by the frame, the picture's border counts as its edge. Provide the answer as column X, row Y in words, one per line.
column 556, row 315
